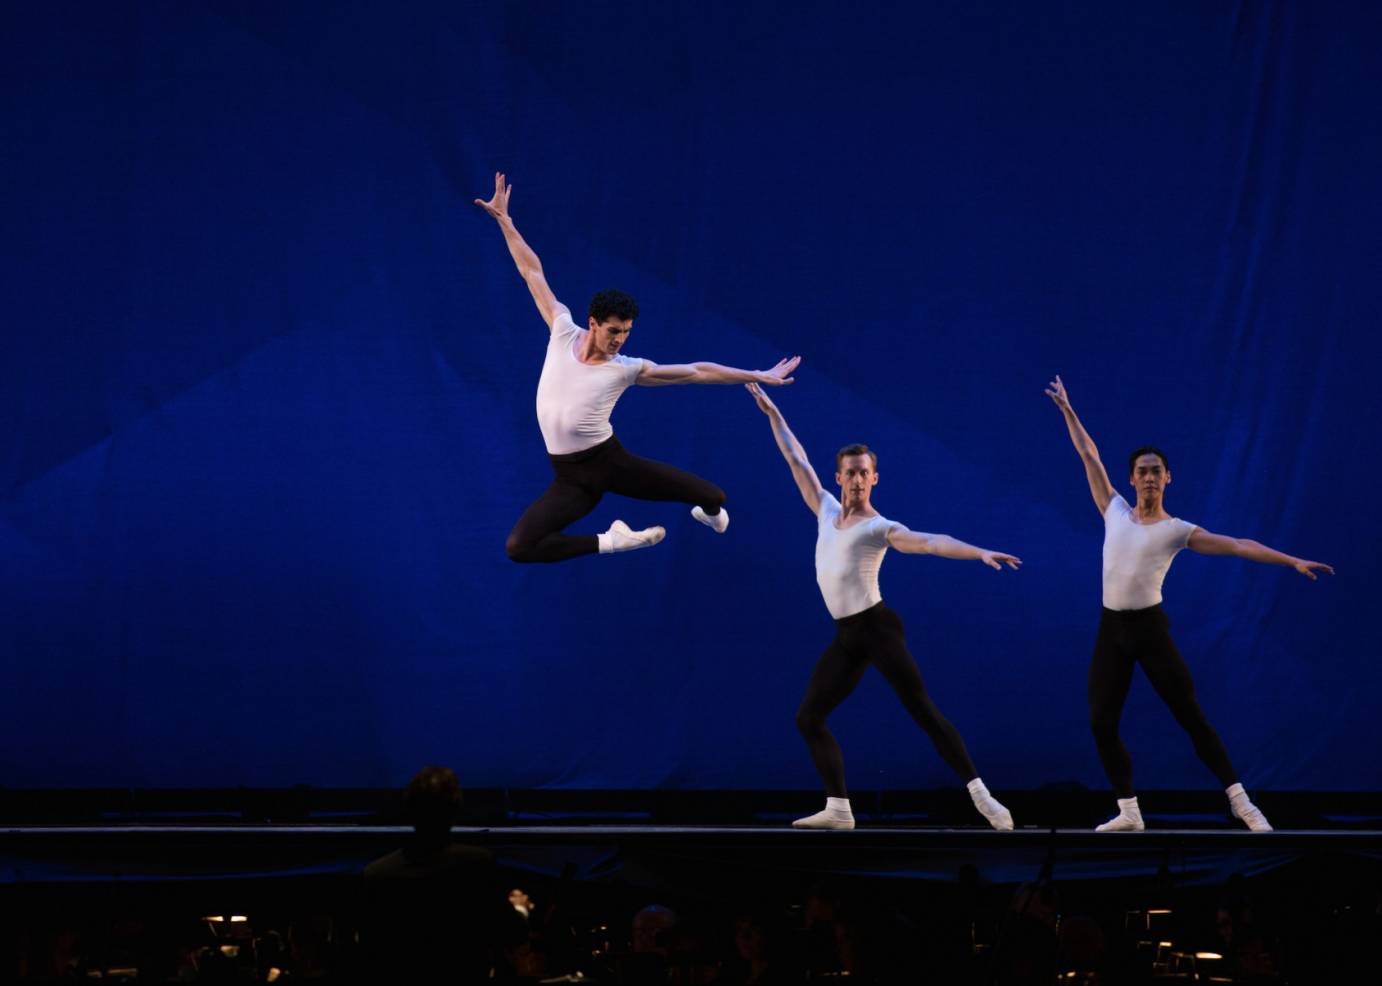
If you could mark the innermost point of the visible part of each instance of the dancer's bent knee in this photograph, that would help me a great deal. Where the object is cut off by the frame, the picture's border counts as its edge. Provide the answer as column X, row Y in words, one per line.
column 810, row 724
column 520, row 550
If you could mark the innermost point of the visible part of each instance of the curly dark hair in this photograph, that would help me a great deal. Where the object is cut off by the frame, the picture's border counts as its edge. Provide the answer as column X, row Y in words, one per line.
column 1147, row 450
column 613, row 304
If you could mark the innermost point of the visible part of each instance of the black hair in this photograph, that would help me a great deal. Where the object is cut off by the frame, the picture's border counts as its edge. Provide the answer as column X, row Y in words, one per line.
column 1147, row 450
column 612, row 304
column 432, row 802
column 856, row 449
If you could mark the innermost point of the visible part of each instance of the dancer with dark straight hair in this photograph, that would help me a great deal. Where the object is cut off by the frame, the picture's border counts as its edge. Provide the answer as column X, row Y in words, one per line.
column 1139, row 544
column 582, row 377
column 851, row 539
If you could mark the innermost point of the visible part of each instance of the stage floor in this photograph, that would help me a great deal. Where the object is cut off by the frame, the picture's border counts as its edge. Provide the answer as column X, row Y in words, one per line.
column 670, row 853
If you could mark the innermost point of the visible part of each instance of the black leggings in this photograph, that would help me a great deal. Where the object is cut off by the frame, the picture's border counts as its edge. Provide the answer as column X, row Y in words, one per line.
column 582, row 478
column 1143, row 636
column 875, row 637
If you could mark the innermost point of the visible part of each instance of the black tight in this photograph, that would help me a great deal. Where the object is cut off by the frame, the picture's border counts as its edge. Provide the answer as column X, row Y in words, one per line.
column 875, row 637
column 1143, row 636
column 582, row 478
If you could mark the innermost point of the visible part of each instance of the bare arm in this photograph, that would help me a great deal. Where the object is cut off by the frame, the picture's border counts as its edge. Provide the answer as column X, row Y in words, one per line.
column 662, row 375
column 945, row 546
column 529, row 266
column 807, row 481
column 1099, row 486
column 1205, row 543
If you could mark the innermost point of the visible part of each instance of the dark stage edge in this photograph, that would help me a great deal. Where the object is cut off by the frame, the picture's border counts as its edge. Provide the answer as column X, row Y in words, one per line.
column 895, row 836
column 1059, row 808
column 673, row 854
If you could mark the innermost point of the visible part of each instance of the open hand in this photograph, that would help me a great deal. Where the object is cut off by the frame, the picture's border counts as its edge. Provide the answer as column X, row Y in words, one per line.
column 761, row 399
column 498, row 207
column 780, row 374
column 996, row 560
column 1309, row 568
column 1056, row 391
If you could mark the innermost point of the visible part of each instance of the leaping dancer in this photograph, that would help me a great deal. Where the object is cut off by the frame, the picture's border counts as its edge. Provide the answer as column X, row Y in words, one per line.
column 583, row 376
column 851, row 539
column 1139, row 544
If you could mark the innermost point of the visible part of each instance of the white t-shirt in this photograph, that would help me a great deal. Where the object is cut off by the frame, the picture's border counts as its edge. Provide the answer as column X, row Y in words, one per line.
column 574, row 399
column 1136, row 556
column 847, row 561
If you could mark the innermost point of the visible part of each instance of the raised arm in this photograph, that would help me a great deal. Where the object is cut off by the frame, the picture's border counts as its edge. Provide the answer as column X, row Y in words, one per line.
column 945, row 546
column 807, row 480
column 662, row 375
column 1099, row 486
column 1205, row 543
column 529, row 267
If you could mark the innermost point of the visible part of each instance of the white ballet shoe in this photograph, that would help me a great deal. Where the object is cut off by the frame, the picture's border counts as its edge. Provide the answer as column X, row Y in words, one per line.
column 620, row 537
column 998, row 816
column 989, row 806
column 1251, row 816
column 826, row 820
column 716, row 522
column 1128, row 819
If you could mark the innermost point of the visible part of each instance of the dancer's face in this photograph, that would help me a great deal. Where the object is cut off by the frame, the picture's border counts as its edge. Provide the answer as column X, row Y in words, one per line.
column 857, row 478
column 610, row 334
column 1149, row 477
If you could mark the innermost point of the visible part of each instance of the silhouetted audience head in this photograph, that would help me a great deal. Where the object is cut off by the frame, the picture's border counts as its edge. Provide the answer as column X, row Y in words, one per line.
column 650, row 929
column 432, row 802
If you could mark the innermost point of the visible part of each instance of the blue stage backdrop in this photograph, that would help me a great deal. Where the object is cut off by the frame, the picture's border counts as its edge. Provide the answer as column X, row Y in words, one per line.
column 268, row 379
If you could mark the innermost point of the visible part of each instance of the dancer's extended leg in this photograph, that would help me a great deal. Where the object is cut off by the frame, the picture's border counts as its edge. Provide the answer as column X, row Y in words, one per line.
column 581, row 480
column 889, row 653
column 1169, row 675
column 647, row 479
column 1110, row 677
column 836, row 675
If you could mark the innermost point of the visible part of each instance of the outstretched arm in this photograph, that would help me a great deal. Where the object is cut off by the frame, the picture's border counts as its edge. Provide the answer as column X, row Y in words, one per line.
column 1206, row 543
column 945, row 546
column 529, row 267
column 807, row 480
column 1099, row 486
column 655, row 375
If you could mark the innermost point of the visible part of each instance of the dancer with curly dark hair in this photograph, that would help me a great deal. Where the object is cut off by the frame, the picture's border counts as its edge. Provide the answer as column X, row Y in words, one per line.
column 583, row 376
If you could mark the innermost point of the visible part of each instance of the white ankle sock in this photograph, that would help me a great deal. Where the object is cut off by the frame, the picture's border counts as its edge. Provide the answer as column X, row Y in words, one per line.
column 1128, row 819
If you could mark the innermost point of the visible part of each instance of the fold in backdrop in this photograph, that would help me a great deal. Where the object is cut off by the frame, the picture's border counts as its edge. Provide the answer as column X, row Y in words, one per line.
column 268, row 377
